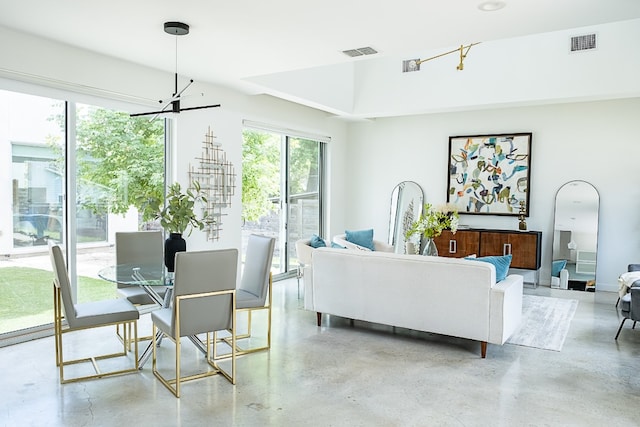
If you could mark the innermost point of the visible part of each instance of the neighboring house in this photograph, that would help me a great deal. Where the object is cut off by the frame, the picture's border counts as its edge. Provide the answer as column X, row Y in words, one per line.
column 38, row 198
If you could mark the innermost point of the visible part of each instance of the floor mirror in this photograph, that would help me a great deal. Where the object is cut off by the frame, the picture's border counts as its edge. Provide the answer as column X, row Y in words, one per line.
column 575, row 237
column 407, row 199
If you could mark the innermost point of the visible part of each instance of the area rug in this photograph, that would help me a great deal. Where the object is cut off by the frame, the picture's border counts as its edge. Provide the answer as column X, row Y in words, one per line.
column 545, row 322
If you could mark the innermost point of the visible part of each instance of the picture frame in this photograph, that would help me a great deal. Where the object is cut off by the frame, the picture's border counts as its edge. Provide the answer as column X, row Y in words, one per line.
column 490, row 174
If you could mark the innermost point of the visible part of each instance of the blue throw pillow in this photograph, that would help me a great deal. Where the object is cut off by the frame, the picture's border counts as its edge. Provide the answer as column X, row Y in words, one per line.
column 361, row 238
column 557, row 266
column 501, row 263
column 317, row 242
column 337, row 246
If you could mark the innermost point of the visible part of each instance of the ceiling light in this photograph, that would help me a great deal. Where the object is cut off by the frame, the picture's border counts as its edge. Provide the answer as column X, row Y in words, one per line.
column 175, row 29
column 490, row 6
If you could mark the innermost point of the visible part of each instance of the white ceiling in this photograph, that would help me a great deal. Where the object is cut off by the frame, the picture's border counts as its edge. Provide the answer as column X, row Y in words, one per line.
column 233, row 43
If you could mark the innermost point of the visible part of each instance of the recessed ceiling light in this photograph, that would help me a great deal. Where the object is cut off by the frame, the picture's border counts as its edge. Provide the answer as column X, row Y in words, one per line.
column 490, row 6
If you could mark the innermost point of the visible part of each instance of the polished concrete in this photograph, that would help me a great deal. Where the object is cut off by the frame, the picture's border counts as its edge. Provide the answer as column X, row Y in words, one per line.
column 360, row 375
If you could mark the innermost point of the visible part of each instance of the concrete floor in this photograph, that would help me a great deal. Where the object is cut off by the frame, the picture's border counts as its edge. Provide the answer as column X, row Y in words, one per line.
column 365, row 375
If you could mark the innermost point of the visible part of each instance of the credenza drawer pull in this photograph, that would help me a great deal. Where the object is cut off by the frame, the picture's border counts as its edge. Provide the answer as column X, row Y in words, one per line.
column 453, row 246
column 506, row 249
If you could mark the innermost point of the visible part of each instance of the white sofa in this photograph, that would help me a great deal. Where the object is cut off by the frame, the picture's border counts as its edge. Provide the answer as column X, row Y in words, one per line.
column 446, row 296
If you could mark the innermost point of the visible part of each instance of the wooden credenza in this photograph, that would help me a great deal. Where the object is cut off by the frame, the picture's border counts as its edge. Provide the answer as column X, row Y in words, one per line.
column 524, row 246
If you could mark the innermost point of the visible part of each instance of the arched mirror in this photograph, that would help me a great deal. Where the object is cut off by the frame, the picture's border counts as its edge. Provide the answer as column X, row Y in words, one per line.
column 575, row 237
column 407, row 199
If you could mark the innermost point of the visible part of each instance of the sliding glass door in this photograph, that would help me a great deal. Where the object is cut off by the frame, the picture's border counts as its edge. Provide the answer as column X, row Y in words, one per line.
column 281, row 191
column 303, row 201
column 32, row 182
column 51, row 148
column 118, row 165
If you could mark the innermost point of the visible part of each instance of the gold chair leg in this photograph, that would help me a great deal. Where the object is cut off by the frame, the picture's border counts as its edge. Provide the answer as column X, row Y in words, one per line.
column 241, row 351
column 94, row 359
column 130, row 342
column 174, row 384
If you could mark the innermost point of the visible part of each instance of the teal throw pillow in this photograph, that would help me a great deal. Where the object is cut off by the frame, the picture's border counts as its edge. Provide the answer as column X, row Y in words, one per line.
column 337, row 246
column 501, row 263
column 557, row 266
column 317, row 242
column 361, row 238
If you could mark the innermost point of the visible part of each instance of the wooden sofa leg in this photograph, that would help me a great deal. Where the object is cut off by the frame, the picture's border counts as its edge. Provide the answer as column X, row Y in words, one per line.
column 319, row 318
column 483, row 349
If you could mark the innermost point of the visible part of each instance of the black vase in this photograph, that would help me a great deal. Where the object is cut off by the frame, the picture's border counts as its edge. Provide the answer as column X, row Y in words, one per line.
column 175, row 243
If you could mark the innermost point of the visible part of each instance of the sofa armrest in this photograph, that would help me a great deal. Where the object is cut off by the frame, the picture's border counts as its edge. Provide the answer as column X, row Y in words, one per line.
column 303, row 250
column 307, row 282
column 505, row 313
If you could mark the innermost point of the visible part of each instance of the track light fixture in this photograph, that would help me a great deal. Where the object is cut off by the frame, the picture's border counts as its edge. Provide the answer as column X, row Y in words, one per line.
column 409, row 65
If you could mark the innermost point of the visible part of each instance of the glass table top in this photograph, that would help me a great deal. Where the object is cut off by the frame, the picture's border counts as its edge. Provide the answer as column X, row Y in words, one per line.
column 151, row 274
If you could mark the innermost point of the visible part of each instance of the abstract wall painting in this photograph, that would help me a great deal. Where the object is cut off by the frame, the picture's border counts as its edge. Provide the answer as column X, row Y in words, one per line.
column 489, row 174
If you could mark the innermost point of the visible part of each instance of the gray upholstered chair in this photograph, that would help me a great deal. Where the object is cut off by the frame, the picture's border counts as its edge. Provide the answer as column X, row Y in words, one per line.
column 204, row 301
column 88, row 315
column 140, row 247
column 630, row 268
column 143, row 247
column 630, row 307
column 255, row 287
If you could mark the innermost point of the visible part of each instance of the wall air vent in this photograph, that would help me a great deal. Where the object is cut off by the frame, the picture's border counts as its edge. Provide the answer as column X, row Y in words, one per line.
column 580, row 43
column 360, row 51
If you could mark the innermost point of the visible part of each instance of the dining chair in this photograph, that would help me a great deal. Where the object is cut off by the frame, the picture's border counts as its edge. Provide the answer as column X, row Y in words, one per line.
column 254, row 292
column 139, row 247
column 630, row 308
column 88, row 315
column 204, row 301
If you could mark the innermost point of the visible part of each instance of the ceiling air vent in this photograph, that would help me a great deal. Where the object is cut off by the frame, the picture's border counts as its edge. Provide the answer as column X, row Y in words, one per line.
column 580, row 43
column 360, row 51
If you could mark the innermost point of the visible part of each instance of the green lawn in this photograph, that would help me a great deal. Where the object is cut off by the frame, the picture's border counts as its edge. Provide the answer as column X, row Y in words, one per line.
column 27, row 296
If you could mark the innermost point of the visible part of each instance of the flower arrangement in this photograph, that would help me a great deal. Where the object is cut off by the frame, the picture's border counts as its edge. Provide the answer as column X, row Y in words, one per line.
column 433, row 220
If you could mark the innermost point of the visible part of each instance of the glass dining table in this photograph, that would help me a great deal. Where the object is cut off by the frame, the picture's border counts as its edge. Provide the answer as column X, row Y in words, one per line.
column 149, row 277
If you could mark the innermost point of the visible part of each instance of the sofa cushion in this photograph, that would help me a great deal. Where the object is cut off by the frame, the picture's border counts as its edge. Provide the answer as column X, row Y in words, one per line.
column 501, row 263
column 337, row 246
column 362, row 238
column 317, row 242
column 557, row 266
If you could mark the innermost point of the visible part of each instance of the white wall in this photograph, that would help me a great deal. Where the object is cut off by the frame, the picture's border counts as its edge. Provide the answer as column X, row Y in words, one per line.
column 537, row 68
column 598, row 142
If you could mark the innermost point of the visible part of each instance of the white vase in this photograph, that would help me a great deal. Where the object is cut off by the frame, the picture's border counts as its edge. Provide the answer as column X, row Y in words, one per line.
column 410, row 248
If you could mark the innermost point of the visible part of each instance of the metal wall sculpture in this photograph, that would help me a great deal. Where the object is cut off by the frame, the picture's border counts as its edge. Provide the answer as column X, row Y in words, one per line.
column 217, row 180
